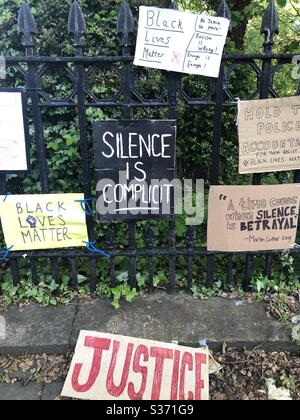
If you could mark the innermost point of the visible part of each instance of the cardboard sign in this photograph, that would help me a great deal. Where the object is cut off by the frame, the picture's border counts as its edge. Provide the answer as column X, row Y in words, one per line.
column 43, row 221
column 253, row 218
column 14, row 136
column 180, row 41
column 135, row 164
column 269, row 135
column 112, row 367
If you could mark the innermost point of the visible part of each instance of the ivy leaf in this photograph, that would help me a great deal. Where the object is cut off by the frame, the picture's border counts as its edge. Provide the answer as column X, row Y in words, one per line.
column 131, row 295
column 281, row 3
column 116, row 304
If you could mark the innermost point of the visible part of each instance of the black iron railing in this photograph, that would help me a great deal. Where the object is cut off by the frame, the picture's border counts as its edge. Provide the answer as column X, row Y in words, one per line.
column 127, row 97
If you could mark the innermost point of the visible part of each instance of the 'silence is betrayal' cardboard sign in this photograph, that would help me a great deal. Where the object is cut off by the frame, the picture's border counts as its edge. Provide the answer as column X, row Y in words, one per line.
column 269, row 135
column 253, row 218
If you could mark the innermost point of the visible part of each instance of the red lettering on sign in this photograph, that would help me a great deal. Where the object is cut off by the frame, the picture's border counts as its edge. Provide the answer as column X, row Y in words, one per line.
column 137, row 368
column 200, row 360
column 160, row 355
column 112, row 389
column 187, row 361
column 175, row 376
column 98, row 344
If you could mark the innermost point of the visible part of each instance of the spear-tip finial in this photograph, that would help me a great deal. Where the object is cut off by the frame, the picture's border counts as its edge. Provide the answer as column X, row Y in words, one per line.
column 125, row 25
column 224, row 11
column 270, row 22
column 26, row 23
column 174, row 5
column 76, row 22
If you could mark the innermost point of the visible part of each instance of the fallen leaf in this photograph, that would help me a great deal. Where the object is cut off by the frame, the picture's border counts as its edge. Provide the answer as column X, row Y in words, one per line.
column 278, row 394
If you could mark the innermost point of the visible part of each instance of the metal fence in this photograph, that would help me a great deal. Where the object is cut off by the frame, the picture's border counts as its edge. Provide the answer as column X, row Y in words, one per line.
column 31, row 67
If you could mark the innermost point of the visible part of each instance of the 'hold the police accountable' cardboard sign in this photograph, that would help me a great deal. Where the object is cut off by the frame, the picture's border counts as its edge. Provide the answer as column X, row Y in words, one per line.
column 112, row 367
column 43, row 221
column 253, row 218
column 179, row 41
column 269, row 135
column 135, row 165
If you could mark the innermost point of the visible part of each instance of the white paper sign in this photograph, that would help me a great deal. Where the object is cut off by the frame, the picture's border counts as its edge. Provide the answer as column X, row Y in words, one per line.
column 180, row 41
column 13, row 155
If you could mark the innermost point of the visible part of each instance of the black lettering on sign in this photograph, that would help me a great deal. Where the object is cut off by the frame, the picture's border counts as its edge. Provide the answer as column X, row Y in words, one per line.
column 135, row 169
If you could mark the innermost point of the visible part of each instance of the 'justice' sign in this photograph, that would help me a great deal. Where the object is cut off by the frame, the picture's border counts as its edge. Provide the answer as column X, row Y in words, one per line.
column 107, row 367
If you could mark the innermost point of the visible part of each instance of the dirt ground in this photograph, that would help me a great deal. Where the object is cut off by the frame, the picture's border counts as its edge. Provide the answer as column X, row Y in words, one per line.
column 243, row 375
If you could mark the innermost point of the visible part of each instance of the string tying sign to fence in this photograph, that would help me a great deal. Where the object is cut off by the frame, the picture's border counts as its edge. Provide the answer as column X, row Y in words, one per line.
column 91, row 247
column 5, row 252
column 5, row 198
column 86, row 206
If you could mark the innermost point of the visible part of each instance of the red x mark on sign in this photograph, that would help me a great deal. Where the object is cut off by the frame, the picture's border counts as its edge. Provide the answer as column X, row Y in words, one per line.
column 176, row 56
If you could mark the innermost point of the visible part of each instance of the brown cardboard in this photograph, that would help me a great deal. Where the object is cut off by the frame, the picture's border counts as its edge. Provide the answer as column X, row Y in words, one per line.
column 269, row 135
column 253, row 218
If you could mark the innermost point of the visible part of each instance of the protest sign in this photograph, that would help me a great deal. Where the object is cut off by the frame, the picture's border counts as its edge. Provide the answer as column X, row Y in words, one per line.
column 111, row 367
column 253, row 218
column 31, row 222
column 269, row 135
column 180, row 41
column 14, row 135
column 135, row 165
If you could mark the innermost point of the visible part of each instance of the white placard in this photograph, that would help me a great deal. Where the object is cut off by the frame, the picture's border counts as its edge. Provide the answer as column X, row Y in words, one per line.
column 114, row 367
column 180, row 41
column 13, row 155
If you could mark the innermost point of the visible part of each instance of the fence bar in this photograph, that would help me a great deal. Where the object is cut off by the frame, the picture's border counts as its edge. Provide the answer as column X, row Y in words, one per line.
column 248, row 272
column 125, row 27
column 269, row 28
column 132, row 246
column 14, row 268
column 210, row 271
column 149, row 242
column 111, row 245
column 34, row 271
column 229, row 278
column 77, row 26
column 54, row 269
column 74, row 273
column 93, row 273
column 190, row 245
column 269, row 262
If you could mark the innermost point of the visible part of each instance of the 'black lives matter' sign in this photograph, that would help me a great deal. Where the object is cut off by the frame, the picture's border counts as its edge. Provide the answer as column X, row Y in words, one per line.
column 135, row 167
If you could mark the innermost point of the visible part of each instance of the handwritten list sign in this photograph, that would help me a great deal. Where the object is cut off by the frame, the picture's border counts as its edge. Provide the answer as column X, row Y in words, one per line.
column 269, row 135
column 180, row 41
column 14, row 153
column 253, row 218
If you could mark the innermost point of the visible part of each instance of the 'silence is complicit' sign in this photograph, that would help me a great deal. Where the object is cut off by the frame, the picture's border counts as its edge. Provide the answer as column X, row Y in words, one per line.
column 135, row 167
